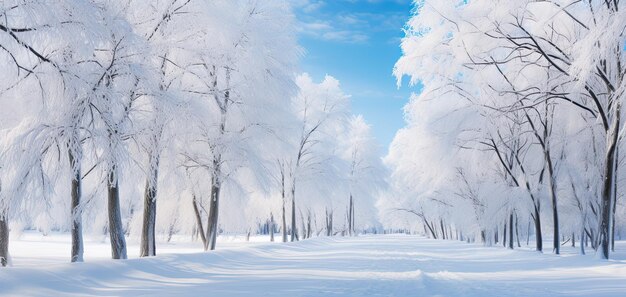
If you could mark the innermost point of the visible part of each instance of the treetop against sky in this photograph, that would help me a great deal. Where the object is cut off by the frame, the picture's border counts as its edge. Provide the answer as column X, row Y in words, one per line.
column 357, row 41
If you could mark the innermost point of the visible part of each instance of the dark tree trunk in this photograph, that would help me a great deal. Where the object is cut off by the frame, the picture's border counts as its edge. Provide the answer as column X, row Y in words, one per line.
column 495, row 236
column 517, row 230
column 538, row 237
column 443, row 231
column 614, row 199
column 504, row 234
column 77, row 226
column 613, row 230
column 293, row 211
column 216, row 178
column 511, row 231
column 351, row 216
column 148, row 237
column 606, row 212
column 284, row 218
column 212, row 228
column 271, row 227
column 148, row 246
column 430, row 228
column 329, row 223
column 116, row 230
column 284, row 223
column 4, row 241
column 555, row 212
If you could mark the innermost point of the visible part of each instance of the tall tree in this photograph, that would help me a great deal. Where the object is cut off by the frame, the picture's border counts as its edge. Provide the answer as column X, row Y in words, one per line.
column 242, row 77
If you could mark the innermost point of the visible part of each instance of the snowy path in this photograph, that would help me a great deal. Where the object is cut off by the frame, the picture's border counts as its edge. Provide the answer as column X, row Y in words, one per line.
column 392, row 265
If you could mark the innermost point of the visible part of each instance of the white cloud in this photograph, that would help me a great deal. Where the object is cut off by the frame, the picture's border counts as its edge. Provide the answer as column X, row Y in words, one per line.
column 350, row 19
column 346, row 26
column 325, row 31
column 315, row 26
column 308, row 6
column 345, row 36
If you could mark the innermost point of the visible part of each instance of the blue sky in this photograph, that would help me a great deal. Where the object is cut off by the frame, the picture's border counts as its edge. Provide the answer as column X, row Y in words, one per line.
column 358, row 42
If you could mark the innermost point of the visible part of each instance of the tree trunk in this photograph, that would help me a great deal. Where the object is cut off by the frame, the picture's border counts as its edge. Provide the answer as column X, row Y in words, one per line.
column 555, row 213
column 614, row 199
column 4, row 241
column 271, row 227
column 116, row 230
column 528, row 234
column 293, row 211
column 309, row 232
column 148, row 238
column 213, row 213
column 75, row 212
column 495, row 236
column 284, row 219
column 606, row 205
column 199, row 225
column 519, row 245
column 443, row 231
column 613, row 229
column 583, row 240
column 430, row 228
column 511, row 231
column 329, row 223
column 351, row 216
column 538, row 237
column 504, row 235
column 303, row 222
column 353, row 219
column 284, row 223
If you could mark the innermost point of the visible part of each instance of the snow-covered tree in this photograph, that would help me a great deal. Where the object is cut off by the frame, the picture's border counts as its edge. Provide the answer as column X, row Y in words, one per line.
column 536, row 66
column 366, row 177
column 243, row 75
column 319, row 108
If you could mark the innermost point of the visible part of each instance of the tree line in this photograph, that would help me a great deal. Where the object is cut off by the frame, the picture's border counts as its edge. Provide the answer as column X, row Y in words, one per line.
column 518, row 125
column 111, row 106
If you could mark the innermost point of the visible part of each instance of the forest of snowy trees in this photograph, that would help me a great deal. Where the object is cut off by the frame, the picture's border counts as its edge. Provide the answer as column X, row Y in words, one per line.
column 517, row 131
column 146, row 119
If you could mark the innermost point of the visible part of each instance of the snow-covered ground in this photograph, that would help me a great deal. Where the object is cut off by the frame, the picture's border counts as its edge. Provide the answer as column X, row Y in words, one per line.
column 382, row 265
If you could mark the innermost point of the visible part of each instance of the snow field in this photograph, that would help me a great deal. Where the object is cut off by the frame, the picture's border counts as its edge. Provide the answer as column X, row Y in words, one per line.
column 373, row 265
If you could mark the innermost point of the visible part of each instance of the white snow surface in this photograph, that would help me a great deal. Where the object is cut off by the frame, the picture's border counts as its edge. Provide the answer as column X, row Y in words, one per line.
column 372, row 265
